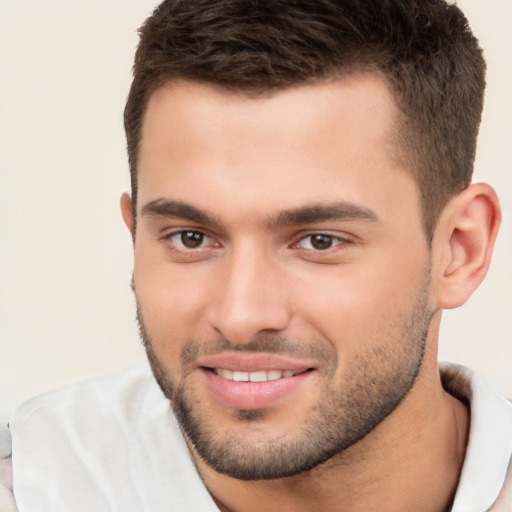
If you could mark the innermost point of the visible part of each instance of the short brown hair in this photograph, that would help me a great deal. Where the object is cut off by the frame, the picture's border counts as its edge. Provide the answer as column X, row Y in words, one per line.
column 424, row 48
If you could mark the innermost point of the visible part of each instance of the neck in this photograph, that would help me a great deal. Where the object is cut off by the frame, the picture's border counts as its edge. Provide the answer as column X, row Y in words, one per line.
column 411, row 461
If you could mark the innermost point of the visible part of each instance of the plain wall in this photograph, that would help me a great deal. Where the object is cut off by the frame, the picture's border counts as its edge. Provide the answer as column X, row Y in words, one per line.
column 66, row 309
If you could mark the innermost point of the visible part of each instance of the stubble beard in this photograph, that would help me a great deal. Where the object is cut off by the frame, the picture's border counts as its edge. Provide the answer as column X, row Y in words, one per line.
column 349, row 410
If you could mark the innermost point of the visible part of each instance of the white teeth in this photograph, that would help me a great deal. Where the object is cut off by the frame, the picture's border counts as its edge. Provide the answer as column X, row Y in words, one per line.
column 274, row 374
column 259, row 376
column 240, row 376
column 227, row 374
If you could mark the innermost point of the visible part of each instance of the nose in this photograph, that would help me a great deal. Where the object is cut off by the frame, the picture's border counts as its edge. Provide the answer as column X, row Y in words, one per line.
column 249, row 298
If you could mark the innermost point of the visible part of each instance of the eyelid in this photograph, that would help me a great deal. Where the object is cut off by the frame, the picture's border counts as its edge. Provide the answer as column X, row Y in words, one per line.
column 177, row 247
column 340, row 242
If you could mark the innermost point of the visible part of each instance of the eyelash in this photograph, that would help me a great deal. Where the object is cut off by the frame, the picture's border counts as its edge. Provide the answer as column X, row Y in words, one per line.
column 335, row 240
column 180, row 233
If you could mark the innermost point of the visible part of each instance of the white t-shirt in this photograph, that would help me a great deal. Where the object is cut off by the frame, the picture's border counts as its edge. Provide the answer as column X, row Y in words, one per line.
column 112, row 444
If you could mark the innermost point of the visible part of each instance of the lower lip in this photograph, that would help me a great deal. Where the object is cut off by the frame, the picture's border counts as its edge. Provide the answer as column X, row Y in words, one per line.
column 252, row 395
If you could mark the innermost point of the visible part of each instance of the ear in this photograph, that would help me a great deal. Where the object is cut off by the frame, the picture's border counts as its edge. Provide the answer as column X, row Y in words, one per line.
column 463, row 243
column 127, row 212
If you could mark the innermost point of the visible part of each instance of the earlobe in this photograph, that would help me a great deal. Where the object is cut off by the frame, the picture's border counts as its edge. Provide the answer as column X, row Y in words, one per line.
column 126, row 211
column 464, row 241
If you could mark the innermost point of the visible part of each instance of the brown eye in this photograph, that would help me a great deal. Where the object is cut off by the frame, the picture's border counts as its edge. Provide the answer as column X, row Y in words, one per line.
column 318, row 242
column 192, row 239
column 321, row 242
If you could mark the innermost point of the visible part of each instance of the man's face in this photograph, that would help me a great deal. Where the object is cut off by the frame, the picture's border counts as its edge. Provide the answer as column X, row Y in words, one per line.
column 281, row 269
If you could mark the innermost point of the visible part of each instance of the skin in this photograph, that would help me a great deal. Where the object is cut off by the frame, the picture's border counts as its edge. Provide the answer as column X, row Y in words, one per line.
column 354, row 313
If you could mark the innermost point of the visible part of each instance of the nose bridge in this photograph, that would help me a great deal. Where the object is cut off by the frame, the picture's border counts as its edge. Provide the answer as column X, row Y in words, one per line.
column 248, row 298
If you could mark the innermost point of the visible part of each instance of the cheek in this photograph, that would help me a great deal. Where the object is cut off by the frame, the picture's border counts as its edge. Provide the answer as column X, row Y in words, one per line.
column 362, row 305
column 171, row 301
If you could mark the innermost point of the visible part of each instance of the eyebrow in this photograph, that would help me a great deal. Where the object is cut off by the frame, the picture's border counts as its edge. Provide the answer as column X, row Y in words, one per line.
column 340, row 211
column 177, row 209
column 309, row 214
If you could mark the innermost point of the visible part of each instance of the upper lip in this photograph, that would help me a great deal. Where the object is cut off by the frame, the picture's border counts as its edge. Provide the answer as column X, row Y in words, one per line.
column 254, row 362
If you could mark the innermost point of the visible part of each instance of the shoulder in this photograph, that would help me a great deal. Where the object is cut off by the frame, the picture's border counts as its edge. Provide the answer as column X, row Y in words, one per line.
column 102, row 442
column 6, row 497
column 110, row 391
column 107, row 410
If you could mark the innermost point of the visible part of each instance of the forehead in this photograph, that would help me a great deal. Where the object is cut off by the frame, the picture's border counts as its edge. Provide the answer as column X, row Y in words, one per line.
column 299, row 145
column 364, row 97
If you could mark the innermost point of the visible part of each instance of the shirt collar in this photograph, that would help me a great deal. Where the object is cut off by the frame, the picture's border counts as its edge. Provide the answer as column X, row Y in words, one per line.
column 489, row 447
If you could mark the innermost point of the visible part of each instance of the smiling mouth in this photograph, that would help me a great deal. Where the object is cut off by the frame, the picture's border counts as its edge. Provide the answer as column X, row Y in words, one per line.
column 256, row 376
column 254, row 383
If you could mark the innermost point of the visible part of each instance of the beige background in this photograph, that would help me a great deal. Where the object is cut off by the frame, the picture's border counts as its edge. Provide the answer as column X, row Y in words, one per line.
column 66, row 310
